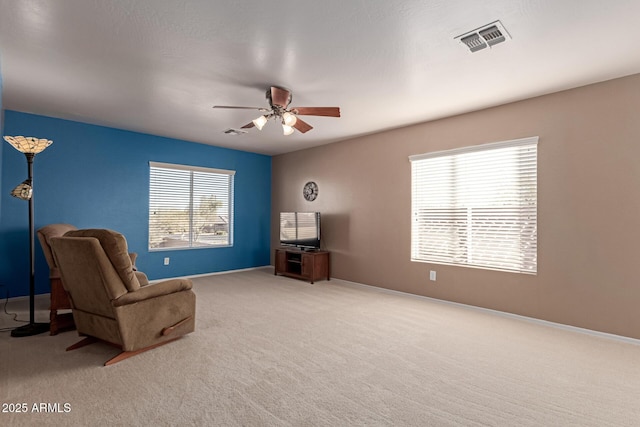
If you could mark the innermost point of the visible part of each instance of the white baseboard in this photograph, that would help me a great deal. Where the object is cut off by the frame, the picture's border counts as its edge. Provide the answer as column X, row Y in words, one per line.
column 193, row 276
column 591, row 332
column 47, row 296
column 44, row 297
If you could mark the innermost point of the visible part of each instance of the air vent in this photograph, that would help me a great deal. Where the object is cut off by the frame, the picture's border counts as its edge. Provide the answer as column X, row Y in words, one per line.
column 232, row 131
column 488, row 35
column 492, row 35
column 473, row 42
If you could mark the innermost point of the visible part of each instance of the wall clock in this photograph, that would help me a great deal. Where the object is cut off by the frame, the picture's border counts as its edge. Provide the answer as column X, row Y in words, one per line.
column 310, row 191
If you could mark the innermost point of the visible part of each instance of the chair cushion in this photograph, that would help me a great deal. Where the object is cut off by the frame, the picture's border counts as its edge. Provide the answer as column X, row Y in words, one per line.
column 115, row 246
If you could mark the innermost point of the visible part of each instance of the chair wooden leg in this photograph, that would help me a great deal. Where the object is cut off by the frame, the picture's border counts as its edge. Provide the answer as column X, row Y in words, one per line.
column 127, row 354
column 82, row 343
column 53, row 322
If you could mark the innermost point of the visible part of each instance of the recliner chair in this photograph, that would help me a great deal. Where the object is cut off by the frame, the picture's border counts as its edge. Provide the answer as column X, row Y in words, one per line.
column 59, row 299
column 108, row 302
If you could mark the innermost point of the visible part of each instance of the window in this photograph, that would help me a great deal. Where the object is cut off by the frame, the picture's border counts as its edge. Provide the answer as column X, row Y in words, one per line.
column 189, row 207
column 476, row 206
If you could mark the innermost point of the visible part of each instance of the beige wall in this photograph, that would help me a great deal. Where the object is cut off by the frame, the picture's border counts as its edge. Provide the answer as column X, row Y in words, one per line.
column 588, row 206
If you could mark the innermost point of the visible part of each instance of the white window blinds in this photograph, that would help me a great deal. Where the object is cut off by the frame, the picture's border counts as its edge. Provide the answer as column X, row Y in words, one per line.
column 189, row 207
column 476, row 206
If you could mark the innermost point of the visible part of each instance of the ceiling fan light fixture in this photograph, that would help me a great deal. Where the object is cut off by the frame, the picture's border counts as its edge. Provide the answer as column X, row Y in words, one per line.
column 286, row 129
column 260, row 122
column 279, row 100
column 289, row 119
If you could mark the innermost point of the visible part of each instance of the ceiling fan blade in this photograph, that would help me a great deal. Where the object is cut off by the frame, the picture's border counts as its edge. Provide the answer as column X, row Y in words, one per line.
column 241, row 108
column 302, row 126
column 248, row 125
column 317, row 111
column 280, row 97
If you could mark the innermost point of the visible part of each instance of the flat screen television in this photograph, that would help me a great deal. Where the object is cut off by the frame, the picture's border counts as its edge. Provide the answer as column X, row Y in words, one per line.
column 300, row 229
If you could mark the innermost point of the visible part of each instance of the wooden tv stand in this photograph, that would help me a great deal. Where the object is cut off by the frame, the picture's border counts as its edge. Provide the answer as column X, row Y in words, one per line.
column 305, row 265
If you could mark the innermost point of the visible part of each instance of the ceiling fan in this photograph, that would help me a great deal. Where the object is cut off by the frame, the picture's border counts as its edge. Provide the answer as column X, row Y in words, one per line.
column 279, row 99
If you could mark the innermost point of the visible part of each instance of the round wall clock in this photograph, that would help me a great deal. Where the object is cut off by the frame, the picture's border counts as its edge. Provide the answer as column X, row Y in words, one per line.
column 310, row 191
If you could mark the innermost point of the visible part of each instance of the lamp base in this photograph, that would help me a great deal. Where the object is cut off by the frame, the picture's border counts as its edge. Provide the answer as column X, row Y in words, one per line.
column 30, row 329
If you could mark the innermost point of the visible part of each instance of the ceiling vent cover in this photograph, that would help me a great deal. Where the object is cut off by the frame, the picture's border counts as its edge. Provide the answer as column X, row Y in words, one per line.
column 488, row 35
column 473, row 42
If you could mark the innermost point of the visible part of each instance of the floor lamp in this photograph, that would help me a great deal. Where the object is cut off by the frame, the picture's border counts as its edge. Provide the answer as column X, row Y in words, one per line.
column 30, row 146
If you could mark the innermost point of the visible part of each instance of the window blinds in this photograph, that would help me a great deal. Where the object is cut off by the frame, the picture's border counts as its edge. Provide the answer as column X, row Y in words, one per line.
column 476, row 206
column 189, row 207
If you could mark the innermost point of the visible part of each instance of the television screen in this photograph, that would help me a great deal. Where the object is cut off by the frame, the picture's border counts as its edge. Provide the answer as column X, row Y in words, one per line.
column 300, row 229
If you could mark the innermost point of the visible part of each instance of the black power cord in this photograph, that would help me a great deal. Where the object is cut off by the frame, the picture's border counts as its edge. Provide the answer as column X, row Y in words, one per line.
column 15, row 315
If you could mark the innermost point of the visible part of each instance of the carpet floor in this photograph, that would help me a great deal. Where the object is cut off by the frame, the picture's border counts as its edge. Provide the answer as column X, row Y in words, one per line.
column 272, row 351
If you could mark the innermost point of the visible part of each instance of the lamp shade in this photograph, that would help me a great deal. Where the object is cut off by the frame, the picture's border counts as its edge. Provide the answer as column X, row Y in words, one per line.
column 28, row 144
column 289, row 119
column 260, row 122
column 23, row 191
column 287, row 130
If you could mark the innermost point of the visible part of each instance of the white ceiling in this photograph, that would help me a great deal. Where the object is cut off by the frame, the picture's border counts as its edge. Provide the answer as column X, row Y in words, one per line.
column 158, row 66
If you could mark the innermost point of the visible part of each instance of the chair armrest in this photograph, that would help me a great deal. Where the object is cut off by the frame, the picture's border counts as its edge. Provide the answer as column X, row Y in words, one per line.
column 155, row 290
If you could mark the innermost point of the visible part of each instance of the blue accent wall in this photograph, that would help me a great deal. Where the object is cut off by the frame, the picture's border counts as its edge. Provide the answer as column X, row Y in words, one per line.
column 98, row 177
column 1, row 134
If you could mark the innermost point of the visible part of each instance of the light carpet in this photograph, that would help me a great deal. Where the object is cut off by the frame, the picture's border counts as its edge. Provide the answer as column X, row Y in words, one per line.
column 275, row 351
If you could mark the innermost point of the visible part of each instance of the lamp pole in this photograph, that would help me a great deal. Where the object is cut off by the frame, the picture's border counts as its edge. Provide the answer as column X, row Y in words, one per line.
column 32, row 328
column 32, row 263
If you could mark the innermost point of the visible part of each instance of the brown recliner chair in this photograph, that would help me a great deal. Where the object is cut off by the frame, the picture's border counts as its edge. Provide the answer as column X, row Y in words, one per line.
column 59, row 299
column 108, row 301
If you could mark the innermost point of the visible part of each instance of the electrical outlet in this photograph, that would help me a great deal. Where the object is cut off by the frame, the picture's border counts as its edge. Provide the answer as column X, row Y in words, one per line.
column 166, row 260
column 432, row 275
